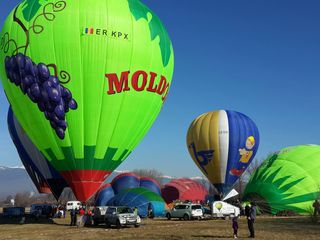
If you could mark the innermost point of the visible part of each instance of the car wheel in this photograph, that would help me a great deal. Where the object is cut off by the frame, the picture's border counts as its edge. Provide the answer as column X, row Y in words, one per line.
column 168, row 216
column 108, row 224
column 186, row 217
column 118, row 224
column 137, row 225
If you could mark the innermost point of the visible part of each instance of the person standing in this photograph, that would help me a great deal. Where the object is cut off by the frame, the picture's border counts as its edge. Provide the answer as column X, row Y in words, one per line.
column 150, row 211
column 82, row 217
column 82, row 212
column 235, row 226
column 247, row 210
column 316, row 206
column 73, row 215
column 252, row 218
column 89, row 218
column 64, row 211
column 135, row 211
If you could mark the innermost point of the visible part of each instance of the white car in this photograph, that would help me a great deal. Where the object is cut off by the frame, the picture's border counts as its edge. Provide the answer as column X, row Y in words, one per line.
column 121, row 216
column 73, row 205
column 185, row 211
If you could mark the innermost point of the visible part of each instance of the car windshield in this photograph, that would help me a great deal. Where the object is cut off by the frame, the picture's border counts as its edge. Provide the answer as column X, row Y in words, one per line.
column 125, row 210
column 196, row 207
column 180, row 207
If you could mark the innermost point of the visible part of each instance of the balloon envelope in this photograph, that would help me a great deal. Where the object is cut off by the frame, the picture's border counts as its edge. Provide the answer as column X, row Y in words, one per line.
column 150, row 184
column 223, row 144
column 184, row 189
column 104, row 194
column 43, row 175
column 141, row 198
column 124, row 182
column 287, row 180
column 86, row 80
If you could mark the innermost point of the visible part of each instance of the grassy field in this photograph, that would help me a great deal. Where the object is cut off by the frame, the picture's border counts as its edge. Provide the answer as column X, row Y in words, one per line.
column 266, row 228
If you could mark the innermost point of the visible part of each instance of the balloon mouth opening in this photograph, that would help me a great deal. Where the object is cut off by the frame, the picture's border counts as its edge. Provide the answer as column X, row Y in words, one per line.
column 85, row 183
column 170, row 194
column 221, row 190
column 261, row 202
column 44, row 189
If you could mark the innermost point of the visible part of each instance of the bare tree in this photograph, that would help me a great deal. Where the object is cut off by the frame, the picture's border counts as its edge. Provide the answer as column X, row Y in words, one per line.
column 22, row 199
column 152, row 173
column 240, row 185
column 67, row 195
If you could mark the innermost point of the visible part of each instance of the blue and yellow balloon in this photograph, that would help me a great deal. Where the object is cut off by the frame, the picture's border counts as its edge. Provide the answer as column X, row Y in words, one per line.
column 222, row 144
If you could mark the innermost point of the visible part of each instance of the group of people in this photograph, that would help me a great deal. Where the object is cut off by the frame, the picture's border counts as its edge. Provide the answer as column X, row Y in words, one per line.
column 60, row 211
column 85, row 217
column 250, row 212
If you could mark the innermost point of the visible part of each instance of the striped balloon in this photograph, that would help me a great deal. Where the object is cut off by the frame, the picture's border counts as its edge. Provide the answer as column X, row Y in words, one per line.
column 125, row 182
column 141, row 198
column 43, row 175
column 184, row 189
column 222, row 144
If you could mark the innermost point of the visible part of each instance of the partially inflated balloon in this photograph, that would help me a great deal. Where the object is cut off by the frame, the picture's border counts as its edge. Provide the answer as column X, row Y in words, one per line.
column 141, row 198
column 287, row 180
column 125, row 182
column 44, row 177
column 86, row 80
column 184, row 189
column 223, row 144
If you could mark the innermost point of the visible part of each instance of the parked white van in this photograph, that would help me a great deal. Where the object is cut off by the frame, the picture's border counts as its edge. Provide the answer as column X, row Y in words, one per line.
column 73, row 205
column 223, row 209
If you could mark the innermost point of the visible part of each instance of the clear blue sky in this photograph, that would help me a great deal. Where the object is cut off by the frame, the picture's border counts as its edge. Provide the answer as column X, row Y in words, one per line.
column 261, row 58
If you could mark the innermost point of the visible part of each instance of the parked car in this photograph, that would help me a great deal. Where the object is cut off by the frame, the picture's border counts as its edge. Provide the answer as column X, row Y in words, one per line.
column 185, row 211
column 42, row 210
column 121, row 216
column 73, row 205
column 13, row 212
column 99, row 213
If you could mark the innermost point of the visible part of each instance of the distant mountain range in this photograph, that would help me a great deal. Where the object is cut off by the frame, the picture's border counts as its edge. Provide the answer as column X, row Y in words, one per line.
column 15, row 180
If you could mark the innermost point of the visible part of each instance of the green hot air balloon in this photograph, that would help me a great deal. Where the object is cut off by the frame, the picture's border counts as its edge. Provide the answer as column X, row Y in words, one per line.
column 287, row 180
column 86, row 79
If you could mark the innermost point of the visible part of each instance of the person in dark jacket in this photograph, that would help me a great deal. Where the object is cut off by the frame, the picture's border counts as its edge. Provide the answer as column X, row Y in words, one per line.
column 73, row 214
column 251, row 219
column 316, row 206
column 247, row 210
column 235, row 226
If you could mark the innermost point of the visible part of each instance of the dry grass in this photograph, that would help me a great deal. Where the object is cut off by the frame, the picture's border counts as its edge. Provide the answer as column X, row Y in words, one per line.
column 266, row 228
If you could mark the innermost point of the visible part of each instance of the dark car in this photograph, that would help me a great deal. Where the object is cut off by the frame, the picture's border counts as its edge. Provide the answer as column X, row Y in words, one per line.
column 14, row 212
column 42, row 210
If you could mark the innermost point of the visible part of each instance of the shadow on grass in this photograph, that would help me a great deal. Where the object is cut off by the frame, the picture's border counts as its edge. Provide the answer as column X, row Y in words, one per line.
column 26, row 220
column 210, row 236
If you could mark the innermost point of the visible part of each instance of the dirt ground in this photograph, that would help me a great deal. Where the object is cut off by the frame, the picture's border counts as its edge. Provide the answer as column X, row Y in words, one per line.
column 266, row 228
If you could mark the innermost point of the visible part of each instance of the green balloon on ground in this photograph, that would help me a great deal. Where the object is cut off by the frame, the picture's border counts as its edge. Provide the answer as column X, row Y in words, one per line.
column 288, row 180
column 116, row 59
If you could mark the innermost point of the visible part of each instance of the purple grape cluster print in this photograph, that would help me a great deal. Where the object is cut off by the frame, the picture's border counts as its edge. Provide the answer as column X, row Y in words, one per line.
column 44, row 89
